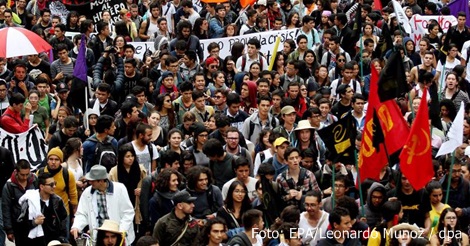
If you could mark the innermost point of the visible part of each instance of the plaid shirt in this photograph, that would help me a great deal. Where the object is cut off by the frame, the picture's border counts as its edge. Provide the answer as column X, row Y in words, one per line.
column 286, row 183
column 102, row 207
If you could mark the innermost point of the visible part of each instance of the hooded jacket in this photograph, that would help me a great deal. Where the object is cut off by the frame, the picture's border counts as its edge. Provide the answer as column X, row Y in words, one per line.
column 12, row 191
column 373, row 213
column 251, row 97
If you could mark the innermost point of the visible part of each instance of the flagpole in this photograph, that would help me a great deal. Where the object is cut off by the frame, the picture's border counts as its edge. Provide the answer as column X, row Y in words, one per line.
column 359, row 185
column 86, row 111
column 441, row 81
column 449, row 177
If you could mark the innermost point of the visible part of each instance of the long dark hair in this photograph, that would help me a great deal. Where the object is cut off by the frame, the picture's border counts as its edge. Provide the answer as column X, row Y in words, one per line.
column 441, row 227
column 203, row 237
column 246, row 204
column 171, row 113
column 72, row 145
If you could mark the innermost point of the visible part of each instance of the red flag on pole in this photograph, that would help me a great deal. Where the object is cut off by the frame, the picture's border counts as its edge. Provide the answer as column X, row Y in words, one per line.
column 377, row 5
column 416, row 158
column 372, row 156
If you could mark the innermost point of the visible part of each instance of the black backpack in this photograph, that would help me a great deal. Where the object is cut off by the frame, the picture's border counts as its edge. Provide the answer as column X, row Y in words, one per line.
column 105, row 153
column 252, row 125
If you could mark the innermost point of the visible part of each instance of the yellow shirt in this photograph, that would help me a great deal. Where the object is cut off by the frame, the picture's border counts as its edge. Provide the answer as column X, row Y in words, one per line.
column 434, row 217
column 376, row 237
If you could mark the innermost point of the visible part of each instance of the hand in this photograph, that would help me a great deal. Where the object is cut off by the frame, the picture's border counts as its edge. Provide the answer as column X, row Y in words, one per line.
column 299, row 195
column 137, row 192
column 392, row 199
column 458, row 212
column 87, row 132
column 74, row 232
column 12, row 84
column 79, row 184
column 59, row 76
column 39, row 220
column 293, row 193
column 22, row 85
column 27, row 107
column 210, row 217
column 327, row 191
column 11, row 237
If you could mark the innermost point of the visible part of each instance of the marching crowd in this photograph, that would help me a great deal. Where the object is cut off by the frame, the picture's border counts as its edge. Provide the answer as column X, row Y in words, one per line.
column 181, row 149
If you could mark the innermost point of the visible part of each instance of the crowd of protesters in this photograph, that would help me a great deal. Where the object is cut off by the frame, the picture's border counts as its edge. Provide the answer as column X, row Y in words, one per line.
column 181, row 149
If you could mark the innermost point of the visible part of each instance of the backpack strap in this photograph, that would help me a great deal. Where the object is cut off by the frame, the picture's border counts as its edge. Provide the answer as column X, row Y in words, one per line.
column 168, row 5
column 65, row 174
column 252, row 128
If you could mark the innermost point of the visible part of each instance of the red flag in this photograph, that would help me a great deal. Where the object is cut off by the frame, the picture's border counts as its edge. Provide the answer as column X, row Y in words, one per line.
column 372, row 156
column 416, row 158
column 377, row 5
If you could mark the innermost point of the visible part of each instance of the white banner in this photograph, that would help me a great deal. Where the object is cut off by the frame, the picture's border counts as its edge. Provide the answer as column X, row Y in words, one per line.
column 267, row 40
column 29, row 145
column 419, row 25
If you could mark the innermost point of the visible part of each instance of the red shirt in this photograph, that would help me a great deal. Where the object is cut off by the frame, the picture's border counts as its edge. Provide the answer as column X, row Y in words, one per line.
column 12, row 122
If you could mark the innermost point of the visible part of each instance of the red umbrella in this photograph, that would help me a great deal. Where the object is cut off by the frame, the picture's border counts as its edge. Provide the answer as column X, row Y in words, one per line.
column 17, row 41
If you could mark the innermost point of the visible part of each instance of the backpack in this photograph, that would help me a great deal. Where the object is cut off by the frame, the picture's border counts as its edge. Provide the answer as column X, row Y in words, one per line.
column 105, row 153
column 65, row 175
column 252, row 125
column 302, row 175
column 260, row 61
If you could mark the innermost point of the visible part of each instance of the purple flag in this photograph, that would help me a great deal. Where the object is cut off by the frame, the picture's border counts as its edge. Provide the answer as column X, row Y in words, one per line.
column 80, row 69
column 457, row 6
column 80, row 79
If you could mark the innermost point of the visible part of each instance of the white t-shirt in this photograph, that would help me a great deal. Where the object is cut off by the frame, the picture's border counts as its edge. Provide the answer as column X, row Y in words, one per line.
column 143, row 157
column 448, row 68
column 309, row 232
column 171, row 11
column 465, row 54
column 193, row 17
column 251, row 187
column 257, row 164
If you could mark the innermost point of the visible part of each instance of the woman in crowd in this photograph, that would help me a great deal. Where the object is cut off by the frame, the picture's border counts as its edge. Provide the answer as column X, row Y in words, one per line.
column 119, row 42
column 312, row 63
column 293, row 21
column 201, row 28
column 450, row 230
column 166, row 186
column 62, row 113
column 174, row 141
column 448, row 113
column 85, row 133
column 230, row 30
column 167, row 114
column 39, row 113
column 230, row 70
column 236, row 204
column 158, row 134
column 335, row 73
column 279, row 65
column 276, row 84
column 73, row 152
column 255, row 70
column 434, row 190
column 248, row 97
column 128, row 172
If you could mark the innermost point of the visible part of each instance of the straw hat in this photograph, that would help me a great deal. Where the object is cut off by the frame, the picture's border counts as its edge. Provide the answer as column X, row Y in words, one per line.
column 58, row 243
column 110, row 226
column 303, row 125
column 403, row 226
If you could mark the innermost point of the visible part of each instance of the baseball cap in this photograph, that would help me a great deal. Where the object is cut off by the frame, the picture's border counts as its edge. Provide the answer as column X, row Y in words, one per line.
column 183, row 196
column 279, row 141
column 287, row 110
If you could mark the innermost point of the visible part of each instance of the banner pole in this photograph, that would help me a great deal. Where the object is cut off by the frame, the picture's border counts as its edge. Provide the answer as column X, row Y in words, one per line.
column 274, row 54
column 86, row 110
column 449, row 177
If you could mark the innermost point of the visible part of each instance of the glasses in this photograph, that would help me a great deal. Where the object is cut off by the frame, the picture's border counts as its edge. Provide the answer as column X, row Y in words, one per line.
column 451, row 218
column 218, row 97
column 213, row 67
column 303, row 89
column 339, row 186
column 342, row 60
column 53, row 184
column 240, row 191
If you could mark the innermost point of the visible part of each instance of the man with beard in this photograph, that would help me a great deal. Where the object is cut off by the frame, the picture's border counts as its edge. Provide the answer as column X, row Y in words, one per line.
column 233, row 147
column 178, row 227
column 149, row 27
column 184, row 29
column 146, row 152
column 314, row 221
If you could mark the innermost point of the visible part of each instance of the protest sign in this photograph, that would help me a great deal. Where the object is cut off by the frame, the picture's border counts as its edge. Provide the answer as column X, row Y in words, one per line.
column 267, row 40
column 419, row 25
column 113, row 6
column 29, row 145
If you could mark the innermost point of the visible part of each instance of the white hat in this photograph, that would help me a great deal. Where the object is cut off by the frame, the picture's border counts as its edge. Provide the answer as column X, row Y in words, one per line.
column 110, row 226
column 303, row 125
column 57, row 243
column 261, row 2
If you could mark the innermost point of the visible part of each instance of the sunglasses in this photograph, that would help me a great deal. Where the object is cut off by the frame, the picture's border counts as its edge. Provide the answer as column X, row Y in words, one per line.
column 213, row 66
column 341, row 60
